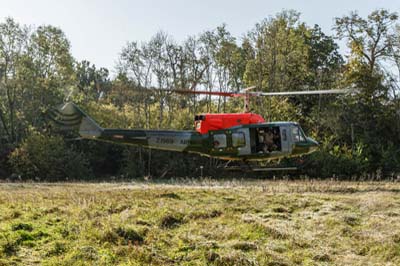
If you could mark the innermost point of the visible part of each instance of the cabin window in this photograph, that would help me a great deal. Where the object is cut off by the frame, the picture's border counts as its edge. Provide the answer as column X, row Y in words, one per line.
column 297, row 134
column 219, row 141
column 238, row 139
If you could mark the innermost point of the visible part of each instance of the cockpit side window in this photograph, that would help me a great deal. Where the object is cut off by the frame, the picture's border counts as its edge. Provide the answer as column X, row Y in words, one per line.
column 219, row 141
column 238, row 139
column 297, row 134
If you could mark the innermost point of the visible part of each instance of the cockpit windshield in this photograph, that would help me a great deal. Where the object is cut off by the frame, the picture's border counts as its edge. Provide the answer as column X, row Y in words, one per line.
column 297, row 134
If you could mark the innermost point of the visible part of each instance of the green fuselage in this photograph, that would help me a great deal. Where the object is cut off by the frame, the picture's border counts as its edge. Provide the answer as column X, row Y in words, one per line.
column 237, row 143
column 250, row 142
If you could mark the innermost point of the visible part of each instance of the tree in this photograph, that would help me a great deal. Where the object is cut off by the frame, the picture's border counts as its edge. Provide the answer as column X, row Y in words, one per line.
column 217, row 46
column 36, row 72
column 368, row 39
column 281, row 53
column 324, row 72
column 394, row 56
column 371, row 111
column 324, row 60
column 92, row 82
column 136, row 66
column 13, row 47
column 47, row 74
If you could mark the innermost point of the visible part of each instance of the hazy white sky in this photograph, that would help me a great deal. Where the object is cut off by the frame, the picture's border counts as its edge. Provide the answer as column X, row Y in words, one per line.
column 98, row 29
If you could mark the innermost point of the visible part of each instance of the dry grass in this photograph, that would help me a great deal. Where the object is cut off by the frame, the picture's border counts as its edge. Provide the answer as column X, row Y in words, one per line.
column 206, row 222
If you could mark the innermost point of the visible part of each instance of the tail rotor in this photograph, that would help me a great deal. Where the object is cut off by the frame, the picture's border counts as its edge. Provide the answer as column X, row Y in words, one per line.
column 69, row 117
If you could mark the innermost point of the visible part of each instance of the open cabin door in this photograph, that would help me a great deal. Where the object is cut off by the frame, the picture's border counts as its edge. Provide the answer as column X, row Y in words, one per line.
column 271, row 139
column 266, row 139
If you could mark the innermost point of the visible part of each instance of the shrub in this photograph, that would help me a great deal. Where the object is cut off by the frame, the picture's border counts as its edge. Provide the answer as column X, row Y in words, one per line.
column 22, row 226
column 43, row 157
column 339, row 162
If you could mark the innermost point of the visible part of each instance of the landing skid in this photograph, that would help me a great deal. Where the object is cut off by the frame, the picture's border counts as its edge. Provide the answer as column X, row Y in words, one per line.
column 247, row 167
column 271, row 169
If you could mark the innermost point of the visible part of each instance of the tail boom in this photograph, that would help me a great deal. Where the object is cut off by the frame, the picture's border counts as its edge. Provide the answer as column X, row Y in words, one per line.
column 70, row 117
column 155, row 139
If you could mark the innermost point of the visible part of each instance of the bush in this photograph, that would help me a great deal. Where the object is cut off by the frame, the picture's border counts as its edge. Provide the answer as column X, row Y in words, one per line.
column 338, row 161
column 43, row 157
column 5, row 150
column 22, row 226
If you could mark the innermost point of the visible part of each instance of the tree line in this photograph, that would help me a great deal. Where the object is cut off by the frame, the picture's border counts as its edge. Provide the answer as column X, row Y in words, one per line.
column 359, row 134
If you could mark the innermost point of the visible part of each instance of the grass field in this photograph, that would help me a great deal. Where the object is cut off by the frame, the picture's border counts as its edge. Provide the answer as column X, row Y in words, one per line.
column 200, row 223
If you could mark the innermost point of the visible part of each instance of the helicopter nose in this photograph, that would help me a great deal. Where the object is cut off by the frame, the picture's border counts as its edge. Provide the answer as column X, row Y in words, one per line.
column 313, row 144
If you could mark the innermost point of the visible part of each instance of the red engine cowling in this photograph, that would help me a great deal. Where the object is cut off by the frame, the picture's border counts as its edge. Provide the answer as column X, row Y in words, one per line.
column 205, row 122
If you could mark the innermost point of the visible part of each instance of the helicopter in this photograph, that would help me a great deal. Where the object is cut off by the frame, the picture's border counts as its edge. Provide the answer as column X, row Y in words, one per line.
column 244, row 137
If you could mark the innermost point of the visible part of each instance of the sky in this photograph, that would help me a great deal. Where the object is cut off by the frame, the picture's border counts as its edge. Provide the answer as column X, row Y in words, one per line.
column 98, row 29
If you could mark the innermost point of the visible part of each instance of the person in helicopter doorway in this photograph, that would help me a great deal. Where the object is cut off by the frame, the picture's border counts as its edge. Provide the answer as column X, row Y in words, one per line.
column 269, row 144
column 277, row 139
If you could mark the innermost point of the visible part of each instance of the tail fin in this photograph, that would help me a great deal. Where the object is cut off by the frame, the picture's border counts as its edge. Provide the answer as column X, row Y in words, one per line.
column 70, row 117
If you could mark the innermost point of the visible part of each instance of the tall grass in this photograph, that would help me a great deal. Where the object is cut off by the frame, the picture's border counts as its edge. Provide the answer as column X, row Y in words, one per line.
column 201, row 222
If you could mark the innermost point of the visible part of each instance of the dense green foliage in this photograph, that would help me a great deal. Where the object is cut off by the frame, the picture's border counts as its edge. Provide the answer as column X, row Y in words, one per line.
column 359, row 133
column 47, row 157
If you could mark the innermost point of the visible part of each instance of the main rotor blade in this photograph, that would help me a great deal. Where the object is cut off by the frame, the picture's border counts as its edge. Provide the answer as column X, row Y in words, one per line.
column 217, row 93
column 247, row 92
column 290, row 93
